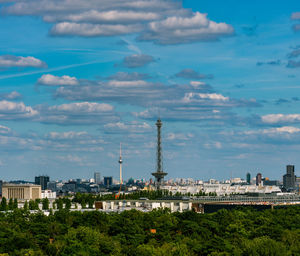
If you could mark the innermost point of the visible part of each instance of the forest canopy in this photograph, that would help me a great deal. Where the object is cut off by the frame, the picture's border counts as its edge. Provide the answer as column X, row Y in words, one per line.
column 159, row 232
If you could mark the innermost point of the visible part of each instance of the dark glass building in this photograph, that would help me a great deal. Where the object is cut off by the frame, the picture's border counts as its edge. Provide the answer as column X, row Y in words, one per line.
column 42, row 180
column 289, row 179
column 248, row 178
column 107, row 181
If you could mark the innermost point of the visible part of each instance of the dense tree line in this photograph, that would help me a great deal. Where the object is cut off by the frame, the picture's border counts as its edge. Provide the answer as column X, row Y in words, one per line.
column 236, row 232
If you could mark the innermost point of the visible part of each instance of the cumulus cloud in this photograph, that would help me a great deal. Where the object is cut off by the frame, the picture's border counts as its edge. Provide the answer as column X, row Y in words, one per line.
column 179, row 136
column 51, row 80
column 131, row 127
column 188, row 101
column 176, row 30
column 10, row 96
column 136, row 60
column 7, row 61
column 112, row 16
column 161, row 21
column 281, row 118
column 194, row 97
column 92, row 30
column 66, row 135
column 125, row 76
column 78, row 113
column 192, row 74
column 16, row 110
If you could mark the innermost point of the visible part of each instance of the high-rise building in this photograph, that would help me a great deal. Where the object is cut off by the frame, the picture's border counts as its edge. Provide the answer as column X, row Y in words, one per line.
column 107, row 181
column 97, row 177
column 258, row 179
column 42, row 180
column 248, row 178
column 289, row 179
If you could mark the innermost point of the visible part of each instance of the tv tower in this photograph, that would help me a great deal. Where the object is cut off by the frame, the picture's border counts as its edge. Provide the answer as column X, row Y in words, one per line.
column 159, row 174
column 120, row 162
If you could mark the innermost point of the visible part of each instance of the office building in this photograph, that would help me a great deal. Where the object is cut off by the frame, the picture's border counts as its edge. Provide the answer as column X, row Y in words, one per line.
column 97, row 177
column 42, row 180
column 52, row 185
column 248, row 178
column 258, row 179
column 108, row 181
column 21, row 191
column 289, row 179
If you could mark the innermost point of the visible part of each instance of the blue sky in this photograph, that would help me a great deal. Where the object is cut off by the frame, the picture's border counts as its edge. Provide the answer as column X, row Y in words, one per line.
column 79, row 77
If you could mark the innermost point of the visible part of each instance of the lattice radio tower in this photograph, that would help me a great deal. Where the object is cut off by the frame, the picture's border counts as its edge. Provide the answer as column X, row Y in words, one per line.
column 159, row 174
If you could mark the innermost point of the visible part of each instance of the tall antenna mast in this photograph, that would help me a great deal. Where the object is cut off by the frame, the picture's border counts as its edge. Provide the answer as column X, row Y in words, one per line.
column 159, row 174
column 120, row 162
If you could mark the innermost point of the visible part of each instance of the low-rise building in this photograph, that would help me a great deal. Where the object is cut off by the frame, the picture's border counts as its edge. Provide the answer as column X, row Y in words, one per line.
column 48, row 194
column 21, row 191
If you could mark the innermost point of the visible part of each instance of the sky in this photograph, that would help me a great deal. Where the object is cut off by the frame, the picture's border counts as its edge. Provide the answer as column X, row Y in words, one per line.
column 78, row 77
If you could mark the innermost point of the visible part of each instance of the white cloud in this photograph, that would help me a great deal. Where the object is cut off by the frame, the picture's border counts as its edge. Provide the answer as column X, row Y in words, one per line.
column 66, row 135
column 194, row 97
column 281, row 118
column 295, row 16
column 197, row 84
column 19, row 61
column 91, row 30
column 15, row 110
column 10, row 96
column 179, row 136
column 83, row 107
column 277, row 130
column 137, row 60
column 113, row 16
column 135, row 83
column 50, row 80
column 78, row 113
column 131, row 127
column 175, row 30
column 161, row 21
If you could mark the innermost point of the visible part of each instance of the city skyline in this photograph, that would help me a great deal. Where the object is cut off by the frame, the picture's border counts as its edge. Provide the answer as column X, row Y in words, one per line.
column 79, row 79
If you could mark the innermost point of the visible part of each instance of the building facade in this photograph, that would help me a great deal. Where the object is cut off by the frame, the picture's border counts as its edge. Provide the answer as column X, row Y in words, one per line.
column 289, row 179
column 248, row 178
column 108, row 181
column 21, row 191
column 97, row 177
column 42, row 180
column 258, row 179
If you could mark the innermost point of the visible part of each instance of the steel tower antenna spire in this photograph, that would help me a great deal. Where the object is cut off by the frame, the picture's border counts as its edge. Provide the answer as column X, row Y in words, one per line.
column 159, row 174
column 120, row 162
